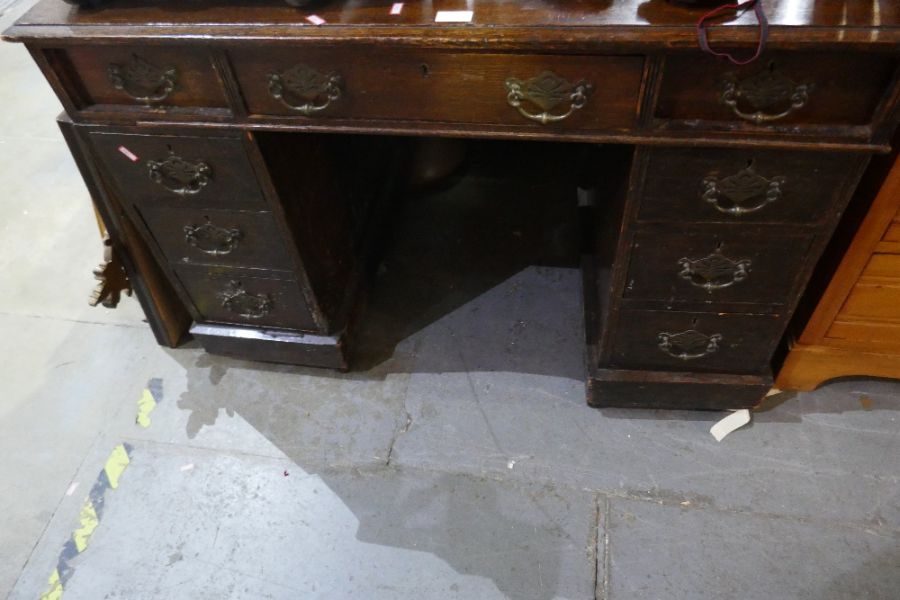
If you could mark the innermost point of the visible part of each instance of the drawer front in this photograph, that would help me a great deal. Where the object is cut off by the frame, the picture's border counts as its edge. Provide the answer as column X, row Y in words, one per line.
column 883, row 265
column 893, row 232
column 224, row 295
column 695, row 341
column 218, row 237
column 145, row 77
column 867, row 332
column 190, row 171
column 874, row 301
column 742, row 186
column 577, row 92
column 793, row 89
column 728, row 264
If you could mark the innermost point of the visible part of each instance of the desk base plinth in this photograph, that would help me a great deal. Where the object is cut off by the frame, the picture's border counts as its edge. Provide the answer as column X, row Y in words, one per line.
column 273, row 346
column 624, row 388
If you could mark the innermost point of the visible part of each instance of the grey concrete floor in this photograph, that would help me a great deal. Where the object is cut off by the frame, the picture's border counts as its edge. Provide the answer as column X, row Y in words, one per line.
column 465, row 464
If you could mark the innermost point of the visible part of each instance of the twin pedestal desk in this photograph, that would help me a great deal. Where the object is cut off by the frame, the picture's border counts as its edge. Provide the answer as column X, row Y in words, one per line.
column 240, row 156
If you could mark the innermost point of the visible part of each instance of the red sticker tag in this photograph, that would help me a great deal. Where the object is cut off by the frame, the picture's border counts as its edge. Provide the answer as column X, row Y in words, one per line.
column 129, row 154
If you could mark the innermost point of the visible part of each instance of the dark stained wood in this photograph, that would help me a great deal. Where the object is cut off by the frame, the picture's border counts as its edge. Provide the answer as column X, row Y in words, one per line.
column 674, row 186
column 305, row 202
column 746, row 345
column 443, row 86
column 208, row 288
column 168, row 318
column 257, row 243
column 273, row 346
column 112, row 280
column 622, row 388
column 770, row 265
column 396, row 67
column 196, row 81
column 497, row 23
column 328, row 189
column 844, row 89
column 628, row 334
column 616, row 387
column 230, row 182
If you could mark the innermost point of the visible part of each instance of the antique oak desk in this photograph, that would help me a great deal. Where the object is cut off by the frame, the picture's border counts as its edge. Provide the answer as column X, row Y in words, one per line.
column 207, row 134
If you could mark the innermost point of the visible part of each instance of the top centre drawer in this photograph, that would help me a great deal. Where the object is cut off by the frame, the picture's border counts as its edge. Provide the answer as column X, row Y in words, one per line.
column 549, row 91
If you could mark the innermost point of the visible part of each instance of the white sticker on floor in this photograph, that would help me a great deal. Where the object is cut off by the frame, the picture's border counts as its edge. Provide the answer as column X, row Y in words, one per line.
column 734, row 421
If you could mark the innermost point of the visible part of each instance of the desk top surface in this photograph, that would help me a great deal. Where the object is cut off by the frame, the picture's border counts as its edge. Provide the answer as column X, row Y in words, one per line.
column 602, row 22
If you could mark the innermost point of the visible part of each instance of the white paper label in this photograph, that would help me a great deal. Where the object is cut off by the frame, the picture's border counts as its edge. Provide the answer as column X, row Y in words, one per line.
column 454, row 16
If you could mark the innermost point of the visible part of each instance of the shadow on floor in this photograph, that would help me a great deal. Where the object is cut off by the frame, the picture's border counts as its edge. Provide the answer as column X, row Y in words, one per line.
column 512, row 206
column 506, row 533
column 481, row 275
column 466, row 286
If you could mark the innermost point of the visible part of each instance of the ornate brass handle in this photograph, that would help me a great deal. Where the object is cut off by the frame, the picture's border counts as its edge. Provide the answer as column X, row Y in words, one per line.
column 178, row 175
column 209, row 239
column 142, row 80
column 547, row 91
column 305, row 90
column 770, row 95
column 713, row 272
column 689, row 345
column 244, row 304
column 745, row 191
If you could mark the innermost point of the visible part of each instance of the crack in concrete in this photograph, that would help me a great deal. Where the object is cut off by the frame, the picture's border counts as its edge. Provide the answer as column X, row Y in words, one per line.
column 595, row 548
column 665, row 499
column 400, row 431
column 606, row 550
column 660, row 497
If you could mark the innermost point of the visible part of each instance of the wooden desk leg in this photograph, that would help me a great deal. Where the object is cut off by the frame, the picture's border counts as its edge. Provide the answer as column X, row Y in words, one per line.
column 808, row 367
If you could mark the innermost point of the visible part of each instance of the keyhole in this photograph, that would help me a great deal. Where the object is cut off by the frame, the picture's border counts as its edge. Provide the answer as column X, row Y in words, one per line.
column 693, row 322
column 426, row 71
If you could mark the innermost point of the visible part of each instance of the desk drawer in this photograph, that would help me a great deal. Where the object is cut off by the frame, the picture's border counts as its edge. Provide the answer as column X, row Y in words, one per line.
column 225, row 295
column 724, row 264
column 325, row 83
column 683, row 341
column 743, row 186
column 873, row 300
column 218, row 237
column 202, row 172
column 146, row 78
column 792, row 89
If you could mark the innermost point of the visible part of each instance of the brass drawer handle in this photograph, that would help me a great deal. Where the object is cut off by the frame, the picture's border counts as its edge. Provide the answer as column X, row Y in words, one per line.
column 689, row 345
column 210, row 239
column 178, row 175
column 713, row 272
column 765, row 91
column 244, row 304
column 746, row 191
column 142, row 80
column 305, row 90
column 547, row 91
